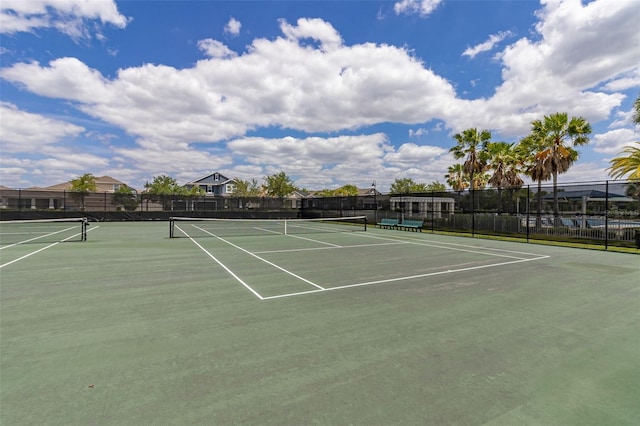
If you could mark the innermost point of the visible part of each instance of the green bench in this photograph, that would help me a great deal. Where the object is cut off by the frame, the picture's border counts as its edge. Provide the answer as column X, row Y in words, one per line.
column 388, row 223
column 411, row 225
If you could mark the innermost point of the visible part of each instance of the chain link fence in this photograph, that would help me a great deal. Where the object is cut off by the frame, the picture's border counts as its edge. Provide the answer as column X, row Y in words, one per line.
column 605, row 213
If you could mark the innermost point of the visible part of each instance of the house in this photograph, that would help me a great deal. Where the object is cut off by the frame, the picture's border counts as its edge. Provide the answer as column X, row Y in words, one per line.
column 214, row 184
column 60, row 197
column 103, row 184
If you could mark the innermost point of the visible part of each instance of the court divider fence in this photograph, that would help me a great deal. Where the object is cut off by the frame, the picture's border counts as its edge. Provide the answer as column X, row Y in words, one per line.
column 602, row 213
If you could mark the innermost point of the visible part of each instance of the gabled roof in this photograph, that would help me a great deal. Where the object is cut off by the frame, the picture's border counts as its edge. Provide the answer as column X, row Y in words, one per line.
column 208, row 179
column 104, row 183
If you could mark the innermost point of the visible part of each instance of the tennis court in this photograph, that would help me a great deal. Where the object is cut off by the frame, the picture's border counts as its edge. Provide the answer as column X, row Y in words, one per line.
column 324, row 323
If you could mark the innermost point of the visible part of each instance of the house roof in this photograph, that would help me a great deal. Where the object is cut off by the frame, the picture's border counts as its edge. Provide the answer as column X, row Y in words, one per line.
column 104, row 183
column 223, row 179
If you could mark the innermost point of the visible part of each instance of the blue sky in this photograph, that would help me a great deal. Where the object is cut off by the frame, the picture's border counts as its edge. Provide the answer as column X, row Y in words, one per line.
column 331, row 92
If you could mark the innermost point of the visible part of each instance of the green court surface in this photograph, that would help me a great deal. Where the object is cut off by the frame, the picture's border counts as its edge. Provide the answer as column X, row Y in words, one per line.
column 365, row 328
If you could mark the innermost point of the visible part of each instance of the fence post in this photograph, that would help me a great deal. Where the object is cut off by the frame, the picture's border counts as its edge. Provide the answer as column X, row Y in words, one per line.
column 473, row 211
column 527, row 205
column 606, row 216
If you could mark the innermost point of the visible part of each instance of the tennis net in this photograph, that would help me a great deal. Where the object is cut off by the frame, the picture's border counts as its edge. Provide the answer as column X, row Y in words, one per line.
column 14, row 232
column 180, row 227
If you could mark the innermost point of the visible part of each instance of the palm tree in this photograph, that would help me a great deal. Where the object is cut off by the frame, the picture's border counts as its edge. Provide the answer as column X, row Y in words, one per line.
column 534, row 166
column 470, row 146
column 82, row 186
column 504, row 162
column 456, row 178
column 630, row 163
column 558, row 135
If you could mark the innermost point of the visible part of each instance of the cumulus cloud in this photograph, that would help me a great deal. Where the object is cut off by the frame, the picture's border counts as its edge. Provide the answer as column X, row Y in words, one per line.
column 315, row 29
column 70, row 17
column 26, row 132
column 614, row 141
column 410, row 154
column 420, row 7
column 579, row 47
column 215, row 49
column 233, row 27
column 309, row 80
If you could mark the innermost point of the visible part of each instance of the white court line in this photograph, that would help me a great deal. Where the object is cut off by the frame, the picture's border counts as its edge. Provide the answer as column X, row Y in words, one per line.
column 37, row 238
column 476, row 250
column 460, row 245
column 397, row 240
column 314, row 241
column 43, row 248
column 229, row 271
column 450, row 271
column 396, row 243
column 251, row 254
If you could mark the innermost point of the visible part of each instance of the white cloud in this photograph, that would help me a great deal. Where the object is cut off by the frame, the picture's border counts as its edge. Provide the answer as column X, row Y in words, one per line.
column 215, row 49
column 308, row 80
column 420, row 7
column 315, row 29
column 487, row 45
column 412, row 155
column 580, row 47
column 233, row 27
column 614, row 141
column 26, row 132
column 67, row 16
column 418, row 132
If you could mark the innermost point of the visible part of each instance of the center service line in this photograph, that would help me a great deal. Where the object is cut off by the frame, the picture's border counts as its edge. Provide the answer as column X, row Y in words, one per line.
column 264, row 260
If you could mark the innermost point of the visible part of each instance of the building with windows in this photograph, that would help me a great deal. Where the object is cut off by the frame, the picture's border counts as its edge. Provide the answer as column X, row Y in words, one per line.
column 214, row 184
column 60, row 196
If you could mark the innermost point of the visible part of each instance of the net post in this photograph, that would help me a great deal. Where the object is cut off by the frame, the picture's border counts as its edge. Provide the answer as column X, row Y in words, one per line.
column 365, row 223
column 83, row 227
column 171, row 225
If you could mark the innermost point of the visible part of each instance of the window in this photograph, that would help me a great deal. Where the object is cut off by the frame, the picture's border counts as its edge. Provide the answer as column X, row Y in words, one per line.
column 230, row 187
column 216, row 177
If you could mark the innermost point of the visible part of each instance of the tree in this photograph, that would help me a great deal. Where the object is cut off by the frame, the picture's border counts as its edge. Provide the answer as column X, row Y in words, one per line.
column 628, row 164
column 470, row 146
column 346, row 191
column 534, row 166
column 504, row 162
column 82, row 186
column 162, row 188
column 436, row 187
column 636, row 112
column 457, row 178
column 125, row 197
column 163, row 185
column 558, row 134
column 279, row 185
column 406, row 186
column 246, row 188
